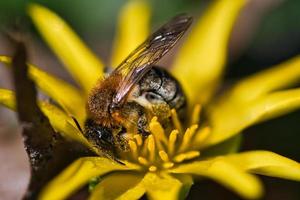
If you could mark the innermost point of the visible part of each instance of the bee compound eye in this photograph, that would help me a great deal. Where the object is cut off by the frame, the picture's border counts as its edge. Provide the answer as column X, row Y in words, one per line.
column 152, row 97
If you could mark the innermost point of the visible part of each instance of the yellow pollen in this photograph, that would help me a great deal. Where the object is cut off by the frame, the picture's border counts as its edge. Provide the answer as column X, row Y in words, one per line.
column 187, row 138
column 176, row 121
column 186, row 156
column 138, row 139
column 164, row 156
column 143, row 161
column 133, row 148
column 151, row 147
column 195, row 119
column 152, row 168
column 172, row 141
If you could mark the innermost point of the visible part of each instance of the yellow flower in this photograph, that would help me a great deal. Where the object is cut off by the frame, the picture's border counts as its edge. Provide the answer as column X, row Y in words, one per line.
column 165, row 165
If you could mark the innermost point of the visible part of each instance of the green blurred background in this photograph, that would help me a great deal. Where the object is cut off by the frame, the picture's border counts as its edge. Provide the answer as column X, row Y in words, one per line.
column 266, row 33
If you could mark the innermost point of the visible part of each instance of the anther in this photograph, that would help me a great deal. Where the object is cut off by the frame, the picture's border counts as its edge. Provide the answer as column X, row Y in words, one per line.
column 187, row 138
column 168, row 165
column 186, row 156
column 138, row 139
column 176, row 121
column 151, row 148
column 164, row 156
column 143, row 161
column 201, row 137
column 133, row 148
column 195, row 119
column 172, row 141
column 152, row 168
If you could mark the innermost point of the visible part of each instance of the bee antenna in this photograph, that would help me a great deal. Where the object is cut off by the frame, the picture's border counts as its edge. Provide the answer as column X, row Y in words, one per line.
column 77, row 124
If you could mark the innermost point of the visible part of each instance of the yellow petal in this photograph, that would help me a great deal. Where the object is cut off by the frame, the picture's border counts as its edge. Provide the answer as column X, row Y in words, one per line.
column 77, row 175
column 187, row 182
column 268, row 80
column 121, row 186
column 266, row 163
column 58, row 119
column 230, row 119
column 163, row 186
column 229, row 146
column 132, row 30
column 79, row 60
column 64, row 124
column 7, row 98
column 62, row 92
column 232, row 177
column 201, row 60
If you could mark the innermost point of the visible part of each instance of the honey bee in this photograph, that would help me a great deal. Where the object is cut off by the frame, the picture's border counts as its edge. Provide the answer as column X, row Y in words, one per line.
column 135, row 91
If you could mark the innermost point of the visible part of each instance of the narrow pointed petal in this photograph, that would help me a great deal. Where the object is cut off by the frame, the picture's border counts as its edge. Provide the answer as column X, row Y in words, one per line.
column 62, row 92
column 231, row 119
column 266, row 163
column 201, row 60
column 164, row 186
column 77, row 175
column 7, row 99
column 79, row 60
column 64, row 124
column 230, row 176
column 132, row 30
column 267, row 81
column 61, row 122
column 119, row 186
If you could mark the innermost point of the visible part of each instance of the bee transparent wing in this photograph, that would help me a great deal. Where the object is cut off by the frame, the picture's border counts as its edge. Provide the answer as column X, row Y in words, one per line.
column 140, row 61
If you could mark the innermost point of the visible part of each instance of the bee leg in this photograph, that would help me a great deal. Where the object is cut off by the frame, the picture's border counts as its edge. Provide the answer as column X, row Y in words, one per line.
column 77, row 124
column 101, row 137
column 142, row 125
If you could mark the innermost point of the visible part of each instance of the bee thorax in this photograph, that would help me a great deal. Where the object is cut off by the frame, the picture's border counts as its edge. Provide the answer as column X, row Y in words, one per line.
column 100, row 99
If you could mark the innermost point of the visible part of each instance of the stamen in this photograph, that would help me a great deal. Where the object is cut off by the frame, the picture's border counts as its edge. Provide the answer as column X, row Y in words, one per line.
column 144, row 150
column 201, row 136
column 151, row 148
column 186, row 156
column 161, row 150
column 187, row 138
column 133, row 148
column 192, row 154
column 164, row 156
column 172, row 141
column 158, row 131
column 168, row 165
column 195, row 119
column 138, row 139
column 143, row 161
column 176, row 121
column 152, row 168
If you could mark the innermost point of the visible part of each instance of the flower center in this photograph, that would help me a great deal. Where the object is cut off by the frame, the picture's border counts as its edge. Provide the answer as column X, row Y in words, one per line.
column 163, row 150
